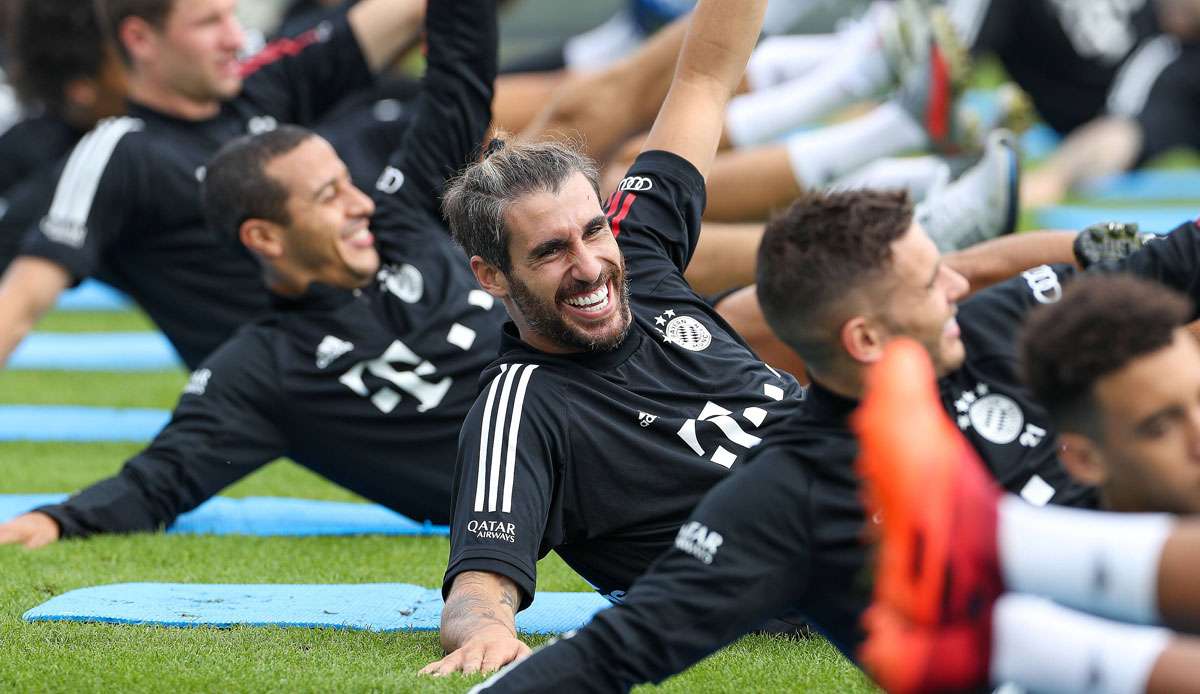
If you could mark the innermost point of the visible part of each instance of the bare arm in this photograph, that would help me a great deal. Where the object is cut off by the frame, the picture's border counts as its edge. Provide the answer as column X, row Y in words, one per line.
column 711, row 64
column 582, row 106
column 385, row 28
column 27, row 291
column 998, row 259
column 479, row 631
column 1104, row 146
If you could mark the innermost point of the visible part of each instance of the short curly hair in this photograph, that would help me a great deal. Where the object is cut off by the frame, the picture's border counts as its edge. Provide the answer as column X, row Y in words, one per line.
column 817, row 254
column 53, row 42
column 1101, row 324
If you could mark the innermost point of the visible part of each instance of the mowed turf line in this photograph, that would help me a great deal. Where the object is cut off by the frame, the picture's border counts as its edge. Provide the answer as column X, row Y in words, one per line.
column 91, row 657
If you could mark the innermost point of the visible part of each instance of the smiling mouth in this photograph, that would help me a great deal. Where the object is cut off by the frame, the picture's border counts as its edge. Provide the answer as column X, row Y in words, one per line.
column 359, row 238
column 594, row 302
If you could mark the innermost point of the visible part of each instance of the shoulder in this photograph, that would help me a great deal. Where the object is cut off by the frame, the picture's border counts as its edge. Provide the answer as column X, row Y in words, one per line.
column 513, row 390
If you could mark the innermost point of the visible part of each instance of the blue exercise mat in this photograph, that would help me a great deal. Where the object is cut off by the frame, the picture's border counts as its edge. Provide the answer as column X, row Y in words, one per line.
column 79, row 423
column 266, row 516
column 1160, row 219
column 92, row 295
column 144, row 351
column 1181, row 184
column 369, row 607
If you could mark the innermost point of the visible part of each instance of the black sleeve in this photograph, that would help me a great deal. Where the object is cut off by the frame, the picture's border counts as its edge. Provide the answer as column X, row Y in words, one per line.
column 297, row 80
column 1172, row 260
column 220, row 432
column 510, row 451
column 93, row 197
column 451, row 114
column 655, row 214
column 1169, row 117
column 993, row 317
column 742, row 559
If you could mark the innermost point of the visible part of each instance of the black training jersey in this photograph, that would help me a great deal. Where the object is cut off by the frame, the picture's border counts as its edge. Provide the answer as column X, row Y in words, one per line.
column 783, row 537
column 369, row 387
column 1066, row 54
column 127, row 201
column 29, row 151
column 600, row 456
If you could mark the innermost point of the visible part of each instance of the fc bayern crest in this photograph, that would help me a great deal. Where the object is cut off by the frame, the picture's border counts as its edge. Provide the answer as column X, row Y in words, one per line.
column 405, row 282
column 997, row 418
column 685, row 331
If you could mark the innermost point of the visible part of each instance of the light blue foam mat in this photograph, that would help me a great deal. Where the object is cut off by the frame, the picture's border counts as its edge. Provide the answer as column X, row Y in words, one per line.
column 1149, row 186
column 93, row 295
column 266, row 516
column 367, row 607
column 141, row 351
column 1159, row 219
column 79, row 423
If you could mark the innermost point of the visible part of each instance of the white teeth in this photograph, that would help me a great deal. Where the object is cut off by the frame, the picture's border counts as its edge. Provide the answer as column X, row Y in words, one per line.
column 587, row 301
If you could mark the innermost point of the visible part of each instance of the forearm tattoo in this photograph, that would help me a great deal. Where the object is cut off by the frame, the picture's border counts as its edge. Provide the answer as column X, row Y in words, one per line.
column 471, row 607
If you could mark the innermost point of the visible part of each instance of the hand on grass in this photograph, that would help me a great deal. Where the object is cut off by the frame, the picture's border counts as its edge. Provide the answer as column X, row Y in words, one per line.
column 488, row 650
column 31, row 529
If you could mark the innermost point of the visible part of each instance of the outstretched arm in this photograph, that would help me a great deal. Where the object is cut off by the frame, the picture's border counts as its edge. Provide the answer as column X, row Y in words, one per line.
column 28, row 290
column 719, row 41
column 479, row 631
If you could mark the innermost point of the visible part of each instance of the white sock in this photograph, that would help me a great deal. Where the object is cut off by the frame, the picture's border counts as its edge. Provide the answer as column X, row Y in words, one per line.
column 764, row 115
column 918, row 175
column 820, row 156
column 779, row 59
column 1044, row 647
column 1101, row 563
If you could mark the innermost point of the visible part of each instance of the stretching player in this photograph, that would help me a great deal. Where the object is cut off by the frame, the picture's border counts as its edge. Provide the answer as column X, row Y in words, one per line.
column 785, row 533
column 960, row 565
column 781, row 537
column 369, row 361
column 620, row 397
column 67, row 73
column 1119, row 373
column 127, row 204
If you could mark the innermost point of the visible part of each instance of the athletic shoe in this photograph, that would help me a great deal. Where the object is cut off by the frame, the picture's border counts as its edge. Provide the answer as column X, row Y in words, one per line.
column 980, row 205
column 1108, row 242
column 905, row 657
column 934, row 74
column 937, row 576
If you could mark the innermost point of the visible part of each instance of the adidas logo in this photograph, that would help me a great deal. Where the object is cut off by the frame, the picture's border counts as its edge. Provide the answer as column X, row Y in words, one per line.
column 330, row 349
column 646, row 419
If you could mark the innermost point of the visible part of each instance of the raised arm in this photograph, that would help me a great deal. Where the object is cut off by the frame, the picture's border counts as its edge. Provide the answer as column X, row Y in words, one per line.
column 28, row 290
column 711, row 64
column 385, row 28
column 452, row 112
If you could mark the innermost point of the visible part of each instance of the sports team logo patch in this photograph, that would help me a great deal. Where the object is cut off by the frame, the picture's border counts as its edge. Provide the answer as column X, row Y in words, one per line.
column 997, row 418
column 684, row 331
column 405, row 282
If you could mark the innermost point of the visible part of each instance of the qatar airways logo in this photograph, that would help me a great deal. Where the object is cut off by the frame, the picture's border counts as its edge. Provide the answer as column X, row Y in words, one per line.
column 493, row 530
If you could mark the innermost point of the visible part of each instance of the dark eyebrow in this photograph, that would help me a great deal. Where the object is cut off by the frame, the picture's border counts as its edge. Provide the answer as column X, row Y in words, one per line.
column 546, row 248
column 1157, row 418
column 597, row 222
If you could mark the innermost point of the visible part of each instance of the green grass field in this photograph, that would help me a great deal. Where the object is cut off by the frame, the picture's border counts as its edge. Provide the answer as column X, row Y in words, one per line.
column 93, row 657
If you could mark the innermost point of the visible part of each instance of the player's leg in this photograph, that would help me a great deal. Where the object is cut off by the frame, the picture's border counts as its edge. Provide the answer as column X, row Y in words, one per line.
column 521, row 96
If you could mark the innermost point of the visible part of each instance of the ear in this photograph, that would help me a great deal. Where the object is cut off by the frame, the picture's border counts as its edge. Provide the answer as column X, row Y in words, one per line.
column 264, row 238
column 1082, row 459
column 139, row 37
column 862, row 340
column 489, row 277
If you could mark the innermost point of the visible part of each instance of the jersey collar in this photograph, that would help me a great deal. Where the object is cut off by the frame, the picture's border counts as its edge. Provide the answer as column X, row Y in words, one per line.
column 318, row 297
column 513, row 347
